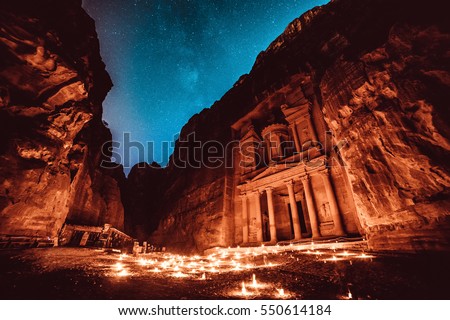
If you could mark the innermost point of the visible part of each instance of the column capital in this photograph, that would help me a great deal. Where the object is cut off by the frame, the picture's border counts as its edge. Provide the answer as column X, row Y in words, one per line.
column 243, row 195
column 324, row 173
column 289, row 182
column 269, row 189
column 257, row 192
column 305, row 178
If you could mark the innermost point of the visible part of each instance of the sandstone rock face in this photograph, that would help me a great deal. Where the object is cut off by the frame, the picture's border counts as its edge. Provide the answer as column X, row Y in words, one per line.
column 395, row 120
column 378, row 70
column 52, row 84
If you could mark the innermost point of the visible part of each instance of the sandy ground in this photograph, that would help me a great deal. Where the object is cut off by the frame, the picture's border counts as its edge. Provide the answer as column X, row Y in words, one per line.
column 75, row 273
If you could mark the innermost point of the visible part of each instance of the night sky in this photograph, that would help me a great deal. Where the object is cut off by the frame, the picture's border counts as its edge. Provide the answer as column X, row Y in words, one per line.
column 170, row 59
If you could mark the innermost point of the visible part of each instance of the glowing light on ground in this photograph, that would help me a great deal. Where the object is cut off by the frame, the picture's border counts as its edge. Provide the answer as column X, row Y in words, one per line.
column 180, row 274
column 364, row 256
column 333, row 259
column 281, row 293
column 254, row 283
column 123, row 273
column 143, row 262
column 348, row 296
column 244, row 291
column 239, row 262
column 316, row 252
column 346, row 254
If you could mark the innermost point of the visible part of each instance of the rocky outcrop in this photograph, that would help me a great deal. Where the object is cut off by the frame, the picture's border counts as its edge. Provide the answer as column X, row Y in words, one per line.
column 375, row 71
column 52, row 84
column 394, row 116
column 379, row 72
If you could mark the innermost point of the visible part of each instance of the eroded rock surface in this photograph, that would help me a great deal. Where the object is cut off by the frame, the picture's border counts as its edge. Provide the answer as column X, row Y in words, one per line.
column 52, row 84
column 379, row 72
column 376, row 73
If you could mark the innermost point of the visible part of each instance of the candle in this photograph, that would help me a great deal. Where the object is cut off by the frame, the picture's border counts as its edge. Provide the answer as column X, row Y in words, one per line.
column 179, row 274
column 244, row 291
column 142, row 262
column 123, row 273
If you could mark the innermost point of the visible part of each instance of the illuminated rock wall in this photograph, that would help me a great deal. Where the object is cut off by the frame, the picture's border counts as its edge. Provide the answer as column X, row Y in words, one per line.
column 379, row 74
column 391, row 106
column 52, row 84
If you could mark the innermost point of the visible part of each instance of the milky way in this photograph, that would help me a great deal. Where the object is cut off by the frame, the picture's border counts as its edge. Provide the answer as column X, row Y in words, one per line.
column 170, row 59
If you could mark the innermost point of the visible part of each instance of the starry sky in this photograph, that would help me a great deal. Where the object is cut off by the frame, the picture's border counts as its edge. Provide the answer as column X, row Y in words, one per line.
column 169, row 59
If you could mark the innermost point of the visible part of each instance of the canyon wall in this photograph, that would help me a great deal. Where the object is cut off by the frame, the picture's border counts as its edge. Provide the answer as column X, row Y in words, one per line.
column 376, row 72
column 379, row 72
column 52, row 84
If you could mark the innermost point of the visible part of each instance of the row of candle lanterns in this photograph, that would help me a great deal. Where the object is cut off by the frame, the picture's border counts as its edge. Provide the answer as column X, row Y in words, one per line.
column 236, row 260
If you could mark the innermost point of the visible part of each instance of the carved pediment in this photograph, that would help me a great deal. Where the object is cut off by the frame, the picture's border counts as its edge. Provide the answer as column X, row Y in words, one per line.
column 251, row 135
column 294, row 112
column 269, row 171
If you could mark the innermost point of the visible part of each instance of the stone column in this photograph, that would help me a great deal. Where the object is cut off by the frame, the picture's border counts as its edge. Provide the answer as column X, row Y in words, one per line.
column 244, row 218
column 259, row 231
column 311, row 209
column 296, row 138
column 338, row 227
column 294, row 211
column 273, row 228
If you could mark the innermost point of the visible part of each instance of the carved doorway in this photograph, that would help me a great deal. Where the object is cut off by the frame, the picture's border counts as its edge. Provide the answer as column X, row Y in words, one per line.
column 301, row 218
column 265, row 226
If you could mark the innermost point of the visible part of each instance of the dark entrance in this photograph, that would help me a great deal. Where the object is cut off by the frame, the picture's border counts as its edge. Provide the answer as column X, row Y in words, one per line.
column 265, row 226
column 301, row 218
column 76, row 238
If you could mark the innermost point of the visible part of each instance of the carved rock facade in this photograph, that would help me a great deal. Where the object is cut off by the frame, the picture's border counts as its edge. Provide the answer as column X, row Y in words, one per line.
column 373, row 74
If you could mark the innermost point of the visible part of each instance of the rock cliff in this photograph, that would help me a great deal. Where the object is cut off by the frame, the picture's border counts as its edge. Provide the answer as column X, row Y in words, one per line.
column 378, row 70
column 375, row 71
column 52, row 84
